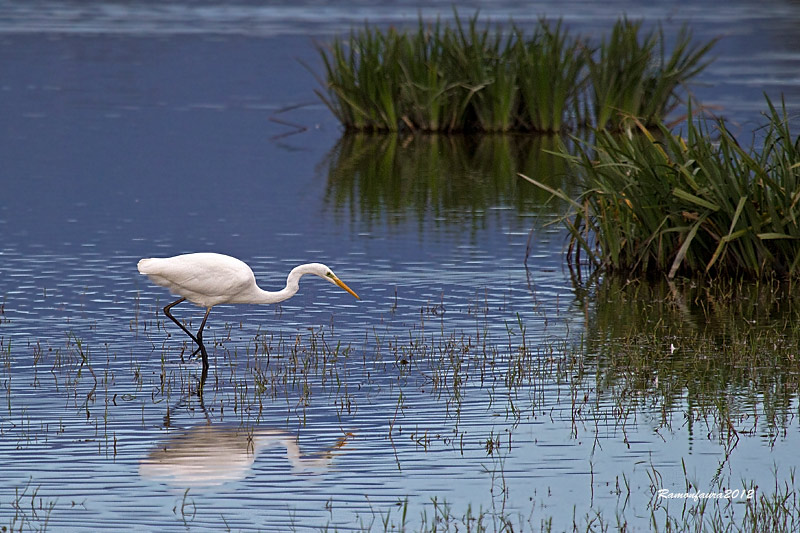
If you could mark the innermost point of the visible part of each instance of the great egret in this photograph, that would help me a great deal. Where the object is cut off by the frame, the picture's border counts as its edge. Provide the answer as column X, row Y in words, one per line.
column 209, row 279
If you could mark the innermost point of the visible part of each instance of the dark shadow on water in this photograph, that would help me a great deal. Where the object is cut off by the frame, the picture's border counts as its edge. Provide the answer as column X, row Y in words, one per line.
column 428, row 175
column 715, row 349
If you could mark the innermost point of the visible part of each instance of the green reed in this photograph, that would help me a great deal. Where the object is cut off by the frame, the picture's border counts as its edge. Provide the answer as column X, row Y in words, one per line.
column 659, row 202
column 490, row 79
column 630, row 76
column 362, row 88
column 551, row 78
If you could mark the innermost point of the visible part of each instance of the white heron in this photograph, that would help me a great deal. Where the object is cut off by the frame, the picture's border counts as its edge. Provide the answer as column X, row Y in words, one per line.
column 209, row 279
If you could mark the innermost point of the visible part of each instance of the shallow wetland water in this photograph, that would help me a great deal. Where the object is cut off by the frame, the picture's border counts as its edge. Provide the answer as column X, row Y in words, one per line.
column 464, row 389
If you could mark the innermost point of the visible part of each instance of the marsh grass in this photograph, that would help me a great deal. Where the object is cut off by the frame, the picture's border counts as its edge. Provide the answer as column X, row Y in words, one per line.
column 722, row 508
column 624, row 362
column 551, row 79
column 480, row 78
column 630, row 75
column 706, row 353
column 695, row 205
column 727, row 380
column 31, row 510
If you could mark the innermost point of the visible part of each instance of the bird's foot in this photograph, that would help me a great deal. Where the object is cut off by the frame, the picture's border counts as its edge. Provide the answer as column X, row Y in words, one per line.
column 191, row 355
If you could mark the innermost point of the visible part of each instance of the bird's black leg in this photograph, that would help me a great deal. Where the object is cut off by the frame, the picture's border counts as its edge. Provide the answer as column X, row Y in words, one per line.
column 203, row 377
column 166, row 312
column 198, row 339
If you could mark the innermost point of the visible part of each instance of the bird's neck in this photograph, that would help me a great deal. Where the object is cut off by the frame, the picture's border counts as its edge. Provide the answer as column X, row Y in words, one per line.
column 273, row 297
column 291, row 288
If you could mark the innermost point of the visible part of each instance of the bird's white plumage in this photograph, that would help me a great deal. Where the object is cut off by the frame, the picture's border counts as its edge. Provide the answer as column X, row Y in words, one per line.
column 209, row 279
column 205, row 279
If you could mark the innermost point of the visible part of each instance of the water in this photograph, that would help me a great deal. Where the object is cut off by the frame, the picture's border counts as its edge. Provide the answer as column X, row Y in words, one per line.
column 144, row 129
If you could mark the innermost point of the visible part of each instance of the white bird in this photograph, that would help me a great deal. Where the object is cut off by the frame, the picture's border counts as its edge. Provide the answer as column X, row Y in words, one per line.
column 209, row 279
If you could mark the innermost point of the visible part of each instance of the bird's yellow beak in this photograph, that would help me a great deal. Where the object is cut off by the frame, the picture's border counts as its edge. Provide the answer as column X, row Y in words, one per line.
column 345, row 287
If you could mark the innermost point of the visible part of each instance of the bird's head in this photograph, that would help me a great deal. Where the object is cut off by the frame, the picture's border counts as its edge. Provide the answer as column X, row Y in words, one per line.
column 327, row 274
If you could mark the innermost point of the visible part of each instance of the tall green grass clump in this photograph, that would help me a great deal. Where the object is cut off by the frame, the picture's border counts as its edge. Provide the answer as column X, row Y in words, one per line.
column 551, row 73
column 362, row 85
column 700, row 205
column 631, row 76
column 454, row 79
column 483, row 79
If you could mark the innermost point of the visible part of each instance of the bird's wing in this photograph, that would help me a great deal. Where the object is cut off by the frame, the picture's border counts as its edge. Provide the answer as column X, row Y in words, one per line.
column 205, row 279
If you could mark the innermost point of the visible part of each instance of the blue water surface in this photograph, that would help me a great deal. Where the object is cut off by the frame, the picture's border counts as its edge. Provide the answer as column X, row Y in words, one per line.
column 131, row 130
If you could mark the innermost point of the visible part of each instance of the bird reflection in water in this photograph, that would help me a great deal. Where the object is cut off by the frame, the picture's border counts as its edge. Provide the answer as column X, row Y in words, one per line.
column 210, row 455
